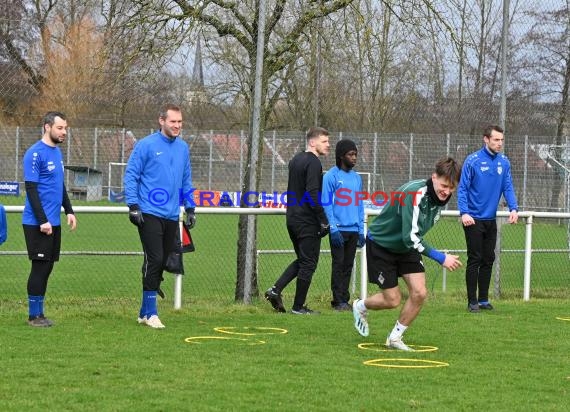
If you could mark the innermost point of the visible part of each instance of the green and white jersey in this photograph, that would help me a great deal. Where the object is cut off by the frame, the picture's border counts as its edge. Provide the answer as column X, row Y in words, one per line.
column 404, row 221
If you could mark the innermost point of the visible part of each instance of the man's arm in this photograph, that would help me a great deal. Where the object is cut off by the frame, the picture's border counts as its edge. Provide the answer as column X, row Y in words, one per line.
column 3, row 225
column 327, row 198
column 132, row 175
column 509, row 190
column 187, row 182
column 35, row 202
column 66, row 203
column 360, row 209
column 313, row 186
column 464, row 185
column 411, row 236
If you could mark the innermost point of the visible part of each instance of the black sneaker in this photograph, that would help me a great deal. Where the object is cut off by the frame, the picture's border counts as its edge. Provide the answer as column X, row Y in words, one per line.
column 40, row 322
column 304, row 311
column 275, row 299
column 46, row 320
column 473, row 307
column 485, row 306
column 343, row 307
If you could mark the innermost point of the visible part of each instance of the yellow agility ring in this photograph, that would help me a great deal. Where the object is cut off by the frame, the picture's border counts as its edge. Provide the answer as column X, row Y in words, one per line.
column 401, row 363
column 259, row 330
column 196, row 339
column 377, row 347
column 562, row 318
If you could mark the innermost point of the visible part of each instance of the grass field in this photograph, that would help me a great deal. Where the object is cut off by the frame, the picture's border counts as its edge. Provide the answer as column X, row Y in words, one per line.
column 98, row 358
column 512, row 359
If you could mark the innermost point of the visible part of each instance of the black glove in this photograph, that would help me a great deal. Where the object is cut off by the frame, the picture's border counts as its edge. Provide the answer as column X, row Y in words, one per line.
column 190, row 218
column 135, row 215
column 324, row 229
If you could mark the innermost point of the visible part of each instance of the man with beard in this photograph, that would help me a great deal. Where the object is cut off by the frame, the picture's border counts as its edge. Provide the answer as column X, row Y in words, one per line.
column 45, row 195
column 395, row 245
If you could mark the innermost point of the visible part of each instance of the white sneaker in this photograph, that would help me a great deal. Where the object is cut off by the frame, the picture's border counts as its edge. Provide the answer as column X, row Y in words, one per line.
column 141, row 320
column 360, row 322
column 397, row 344
column 154, row 322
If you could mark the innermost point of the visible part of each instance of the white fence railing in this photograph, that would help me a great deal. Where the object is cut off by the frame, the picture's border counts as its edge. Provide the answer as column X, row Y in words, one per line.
column 528, row 218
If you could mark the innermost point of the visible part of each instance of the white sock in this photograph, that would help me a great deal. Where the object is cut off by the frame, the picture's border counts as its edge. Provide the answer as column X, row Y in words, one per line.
column 360, row 305
column 398, row 331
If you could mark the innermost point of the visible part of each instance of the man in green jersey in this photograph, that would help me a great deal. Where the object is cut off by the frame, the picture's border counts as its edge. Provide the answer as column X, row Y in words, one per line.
column 395, row 245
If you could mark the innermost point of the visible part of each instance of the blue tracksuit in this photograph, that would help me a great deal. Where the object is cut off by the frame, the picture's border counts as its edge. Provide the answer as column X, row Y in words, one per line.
column 344, row 212
column 158, row 176
column 3, row 225
column 484, row 178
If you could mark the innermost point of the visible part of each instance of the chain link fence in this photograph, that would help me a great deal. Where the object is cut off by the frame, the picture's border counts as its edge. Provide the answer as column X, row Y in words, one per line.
column 386, row 160
column 101, row 262
column 410, row 82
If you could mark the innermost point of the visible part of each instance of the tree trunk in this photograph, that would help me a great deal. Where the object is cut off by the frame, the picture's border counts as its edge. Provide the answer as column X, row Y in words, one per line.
column 247, row 225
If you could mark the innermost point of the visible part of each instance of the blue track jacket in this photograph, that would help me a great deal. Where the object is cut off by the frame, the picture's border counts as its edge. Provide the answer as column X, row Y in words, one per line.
column 158, row 176
column 3, row 225
column 344, row 211
column 484, row 178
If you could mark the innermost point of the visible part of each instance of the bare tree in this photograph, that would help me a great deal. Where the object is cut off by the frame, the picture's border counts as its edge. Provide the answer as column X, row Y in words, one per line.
column 549, row 41
column 236, row 23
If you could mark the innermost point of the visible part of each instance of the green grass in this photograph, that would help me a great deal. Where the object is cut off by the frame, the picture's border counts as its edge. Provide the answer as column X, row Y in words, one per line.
column 98, row 358
column 515, row 358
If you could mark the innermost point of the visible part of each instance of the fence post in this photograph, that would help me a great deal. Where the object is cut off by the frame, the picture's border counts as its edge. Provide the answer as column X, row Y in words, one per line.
column 374, row 160
column 363, row 273
column 17, row 152
column 123, row 136
column 68, row 156
column 411, row 150
column 527, row 258
column 273, row 153
column 497, row 283
column 525, row 171
column 95, row 147
column 210, row 160
column 241, row 140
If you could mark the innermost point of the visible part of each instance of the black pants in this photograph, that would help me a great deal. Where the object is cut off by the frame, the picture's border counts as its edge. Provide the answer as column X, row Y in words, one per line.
column 342, row 263
column 481, row 239
column 43, row 251
column 307, row 245
column 158, row 238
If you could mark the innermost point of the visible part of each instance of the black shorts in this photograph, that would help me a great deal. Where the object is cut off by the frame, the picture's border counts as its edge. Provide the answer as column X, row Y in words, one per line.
column 41, row 246
column 384, row 267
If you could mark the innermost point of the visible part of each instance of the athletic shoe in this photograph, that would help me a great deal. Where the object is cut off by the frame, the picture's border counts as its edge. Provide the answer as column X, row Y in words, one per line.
column 485, row 306
column 473, row 307
column 154, row 322
column 39, row 322
column 360, row 321
column 342, row 307
column 275, row 299
column 304, row 311
column 397, row 344
column 46, row 320
column 141, row 320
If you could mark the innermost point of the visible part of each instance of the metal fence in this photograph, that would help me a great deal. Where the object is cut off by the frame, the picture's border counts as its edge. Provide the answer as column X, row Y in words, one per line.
column 540, row 169
column 101, row 261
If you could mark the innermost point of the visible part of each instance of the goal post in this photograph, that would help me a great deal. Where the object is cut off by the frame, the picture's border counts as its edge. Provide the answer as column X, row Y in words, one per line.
column 111, row 181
